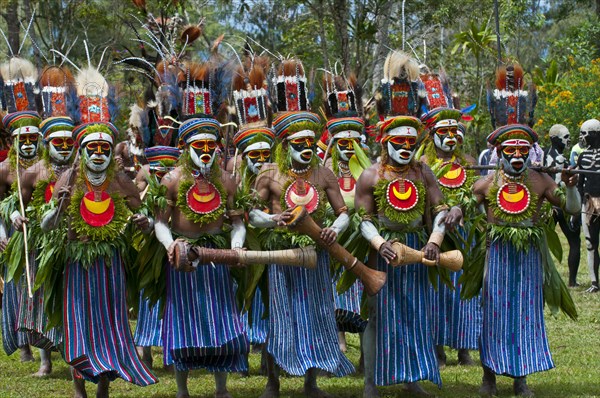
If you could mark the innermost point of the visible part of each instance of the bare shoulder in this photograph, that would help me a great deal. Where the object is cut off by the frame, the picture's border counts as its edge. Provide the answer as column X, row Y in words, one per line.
column 171, row 179
column 268, row 172
column 470, row 159
column 370, row 175
column 121, row 148
column 228, row 181
column 482, row 185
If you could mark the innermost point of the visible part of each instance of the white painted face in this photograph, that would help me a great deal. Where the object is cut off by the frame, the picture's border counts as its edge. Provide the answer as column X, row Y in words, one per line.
column 588, row 129
column 302, row 146
column 445, row 136
column 97, row 155
column 345, row 148
column 401, row 149
column 256, row 155
column 61, row 148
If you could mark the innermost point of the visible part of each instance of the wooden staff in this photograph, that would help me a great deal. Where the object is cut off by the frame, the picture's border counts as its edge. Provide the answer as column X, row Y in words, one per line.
column 22, row 206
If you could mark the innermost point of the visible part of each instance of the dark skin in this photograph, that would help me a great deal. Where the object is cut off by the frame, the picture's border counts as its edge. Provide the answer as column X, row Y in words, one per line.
column 270, row 182
column 178, row 222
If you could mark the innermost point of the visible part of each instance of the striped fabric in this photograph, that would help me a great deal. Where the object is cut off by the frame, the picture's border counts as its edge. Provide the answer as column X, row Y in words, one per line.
column 148, row 329
column 32, row 318
column 257, row 332
column 97, row 339
column 202, row 327
column 513, row 338
column 405, row 350
column 455, row 323
column 347, row 307
column 11, row 338
column 302, row 330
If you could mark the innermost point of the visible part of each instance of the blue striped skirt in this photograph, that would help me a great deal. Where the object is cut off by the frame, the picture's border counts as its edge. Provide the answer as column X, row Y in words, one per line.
column 347, row 307
column 302, row 329
column 148, row 329
column 97, row 337
column 456, row 323
column 405, row 350
column 513, row 339
column 12, row 339
column 32, row 318
column 257, row 332
column 202, row 326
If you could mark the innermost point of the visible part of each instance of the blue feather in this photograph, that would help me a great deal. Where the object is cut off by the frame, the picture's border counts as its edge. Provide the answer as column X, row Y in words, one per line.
column 113, row 105
column 468, row 109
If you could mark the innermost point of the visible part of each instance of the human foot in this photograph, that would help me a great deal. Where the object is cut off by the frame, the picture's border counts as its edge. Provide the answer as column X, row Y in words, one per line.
column 370, row 391
column 521, row 389
column 315, row 392
column 271, row 391
column 464, row 358
column 223, row 394
column 25, row 354
column 416, row 389
column 441, row 356
column 44, row 370
column 488, row 384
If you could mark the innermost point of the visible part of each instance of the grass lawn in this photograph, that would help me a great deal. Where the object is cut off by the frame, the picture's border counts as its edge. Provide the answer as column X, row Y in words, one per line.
column 575, row 347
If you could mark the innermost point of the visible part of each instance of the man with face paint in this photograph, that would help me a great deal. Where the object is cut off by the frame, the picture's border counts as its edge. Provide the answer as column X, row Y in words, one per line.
column 589, row 186
column 97, row 200
column 37, row 187
column 148, row 330
column 341, row 136
column 513, row 339
column 393, row 194
column 25, row 132
column 554, row 157
column 302, row 335
column 199, row 198
column 456, row 323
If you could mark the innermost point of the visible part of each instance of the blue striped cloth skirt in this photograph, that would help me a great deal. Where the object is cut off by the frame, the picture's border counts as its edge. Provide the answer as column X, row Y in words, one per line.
column 202, row 326
column 12, row 339
column 405, row 350
column 456, row 323
column 97, row 337
column 302, row 329
column 513, row 339
column 148, row 329
column 32, row 318
column 347, row 307
column 257, row 332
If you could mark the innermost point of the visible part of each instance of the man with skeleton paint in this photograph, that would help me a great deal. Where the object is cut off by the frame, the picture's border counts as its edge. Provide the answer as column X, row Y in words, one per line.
column 200, row 199
column 589, row 187
column 554, row 156
column 513, row 338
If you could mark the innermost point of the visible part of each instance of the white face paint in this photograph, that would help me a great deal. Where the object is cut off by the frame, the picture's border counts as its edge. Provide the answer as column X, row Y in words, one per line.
column 97, row 155
column 256, row 155
column 401, row 156
column 59, row 155
column 202, row 162
column 302, row 146
column 446, row 136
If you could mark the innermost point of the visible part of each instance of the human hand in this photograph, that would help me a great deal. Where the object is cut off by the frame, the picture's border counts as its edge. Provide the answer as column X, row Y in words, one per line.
column 387, row 251
column 328, row 235
column 570, row 179
column 432, row 252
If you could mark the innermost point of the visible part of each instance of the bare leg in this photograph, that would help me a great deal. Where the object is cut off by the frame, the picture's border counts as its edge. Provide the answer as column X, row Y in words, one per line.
column 310, row 385
column 102, row 389
column 25, row 353
column 415, row 388
column 520, row 387
column 342, row 341
column 78, row 386
column 272, row 388
column 181, row 377
column 145, row 353
column 45, row 363
column 361, row 359
column 221, row 385
column 488, row 383
column 464, row 358
column 368, row 345
column 441, row 356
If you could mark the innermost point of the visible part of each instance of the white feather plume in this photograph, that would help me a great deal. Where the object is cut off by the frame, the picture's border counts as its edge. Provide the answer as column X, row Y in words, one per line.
column 90, row 82
column 398, row 64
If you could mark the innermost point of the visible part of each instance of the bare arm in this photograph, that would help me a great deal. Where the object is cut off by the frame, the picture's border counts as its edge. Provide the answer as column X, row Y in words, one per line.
column 258, row 217
column 161, row 227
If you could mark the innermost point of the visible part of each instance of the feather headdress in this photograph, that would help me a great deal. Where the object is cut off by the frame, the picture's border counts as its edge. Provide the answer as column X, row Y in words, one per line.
column 509, row 102
column 250, row 95
column 291, row 86
column 20, row 84
column 58, row 92
column 437, row 88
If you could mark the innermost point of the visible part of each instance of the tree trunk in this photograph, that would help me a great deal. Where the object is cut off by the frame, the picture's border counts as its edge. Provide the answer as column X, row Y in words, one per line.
column 340, row 14
column 11, row 15
column 318, row 9
column 382, row 38
column 32, row 33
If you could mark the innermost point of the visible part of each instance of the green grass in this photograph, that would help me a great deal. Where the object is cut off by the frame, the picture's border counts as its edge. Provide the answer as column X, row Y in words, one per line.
column 575, row 347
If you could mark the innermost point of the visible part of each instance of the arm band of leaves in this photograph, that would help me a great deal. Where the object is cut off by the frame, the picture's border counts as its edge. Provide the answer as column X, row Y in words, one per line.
column 439, row 208
column 343, row 209
column 236, row 212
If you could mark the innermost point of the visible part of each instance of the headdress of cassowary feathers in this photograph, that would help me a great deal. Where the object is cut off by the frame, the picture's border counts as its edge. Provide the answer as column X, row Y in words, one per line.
column 401, row 92
column 59, row 97
column 96, row 97
column 509, row 102
column 291, row 89
column 342, row 96
column 19, row 85
column 437, row 88
column 250, row 95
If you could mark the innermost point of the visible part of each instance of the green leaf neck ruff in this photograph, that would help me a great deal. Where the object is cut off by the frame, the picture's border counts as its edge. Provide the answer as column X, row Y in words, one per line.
column 402, row 201
column 201, row 200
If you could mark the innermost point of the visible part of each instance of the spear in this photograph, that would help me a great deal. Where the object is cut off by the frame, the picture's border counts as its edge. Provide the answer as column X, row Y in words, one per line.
column 541, row 169
column 27, row 268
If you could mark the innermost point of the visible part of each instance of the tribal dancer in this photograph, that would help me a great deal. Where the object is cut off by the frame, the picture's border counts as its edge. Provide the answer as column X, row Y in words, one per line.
column 342, row 135
column 200, row 196
column 302, row 333
column 24, row 129
column 456, row 323
column 589, row 186
column 554, row 156
column 148, row 330
column 401, row 195
column 513, row 338
column 96, row 199
column 37, row 187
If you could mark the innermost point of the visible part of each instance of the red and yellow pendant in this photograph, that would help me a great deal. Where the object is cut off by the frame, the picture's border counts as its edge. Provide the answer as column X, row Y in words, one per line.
column 402, row 194
column 347, row 184
column 203, row 197
column 455, row 177
column 49, row 191
column 97, row 208
column 513, row 198
column 302, row 193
